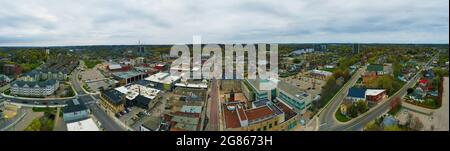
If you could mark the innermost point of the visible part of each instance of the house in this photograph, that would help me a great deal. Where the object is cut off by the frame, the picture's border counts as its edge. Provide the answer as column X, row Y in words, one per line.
column 429, row 74
column 356, row 94
column 376, row 68
column 75, row 111
column 4, row 80
column 418, row 95
column 345, row 106
column 424, row 85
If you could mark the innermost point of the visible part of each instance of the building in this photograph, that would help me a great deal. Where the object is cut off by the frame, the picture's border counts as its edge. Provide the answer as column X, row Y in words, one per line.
column 152, row 124
column 75, row 111
column 299, row 100
column 139, row 95
column 194, row 84
column 12, row 70
column 345, row 106
column 113, row 100
column 374, row 96
column 84, row 125
column 356, row 94
column 320, row 74
column 114, row 67
column 163, row 81
column 257, row 119
column 4, row 80
column 268, row 117
column 376, row 68
column 34, row 88
column 262, row 89
column 356, row 48
column 128, row 77
column 38, row 75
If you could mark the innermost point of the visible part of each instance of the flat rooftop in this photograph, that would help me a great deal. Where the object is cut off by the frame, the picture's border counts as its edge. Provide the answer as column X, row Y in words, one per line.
column 163, row 77
column 127, row 74
column 132, row 91
column 294, row 91
column 84, row 125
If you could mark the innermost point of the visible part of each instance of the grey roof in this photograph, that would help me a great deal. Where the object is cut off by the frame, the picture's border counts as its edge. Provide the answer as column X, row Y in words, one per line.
column 153, row 123
column 113, row 96
column 74, row 106
column 22, row 83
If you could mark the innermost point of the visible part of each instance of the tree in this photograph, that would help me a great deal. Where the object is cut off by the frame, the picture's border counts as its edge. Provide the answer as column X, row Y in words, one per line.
column 396, row 103
column 34, row 126
column 362, row 106
column 410, row 90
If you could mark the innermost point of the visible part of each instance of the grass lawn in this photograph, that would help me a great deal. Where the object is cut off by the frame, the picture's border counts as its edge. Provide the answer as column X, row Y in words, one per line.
column 340, row 117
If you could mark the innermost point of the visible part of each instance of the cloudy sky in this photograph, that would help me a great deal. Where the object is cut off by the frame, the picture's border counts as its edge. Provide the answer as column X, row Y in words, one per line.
column 93, row 22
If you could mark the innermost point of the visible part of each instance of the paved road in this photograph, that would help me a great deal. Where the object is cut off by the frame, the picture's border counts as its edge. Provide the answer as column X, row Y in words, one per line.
column 359, row 122
column 326, row 117
column 214, row 106
column 91, row 102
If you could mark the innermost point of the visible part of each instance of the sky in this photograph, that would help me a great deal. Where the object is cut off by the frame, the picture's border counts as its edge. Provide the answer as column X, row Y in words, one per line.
column 113, row 22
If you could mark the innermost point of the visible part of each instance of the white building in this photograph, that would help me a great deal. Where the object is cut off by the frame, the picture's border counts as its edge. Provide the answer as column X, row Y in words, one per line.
column 34, row 88
column 84, row 125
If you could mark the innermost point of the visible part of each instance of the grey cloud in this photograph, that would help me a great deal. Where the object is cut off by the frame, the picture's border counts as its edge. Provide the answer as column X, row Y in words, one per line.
column 66, row 22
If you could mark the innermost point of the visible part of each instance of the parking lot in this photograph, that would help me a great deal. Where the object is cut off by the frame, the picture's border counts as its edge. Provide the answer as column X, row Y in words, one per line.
column 306, row 84
column 95, row 79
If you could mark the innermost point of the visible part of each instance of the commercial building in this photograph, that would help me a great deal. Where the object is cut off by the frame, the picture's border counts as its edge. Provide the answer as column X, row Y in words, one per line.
column 261, row 89
column 203, row 84
column 299, row 100
column 269, row 117
column 34, row 88
column 320, row 74
column 113, row 100
column 75, row 111
column 139, row 95
column 163, row 81
column 84, row 125
column 271, row 90
column 128, row 77
column 374, row 96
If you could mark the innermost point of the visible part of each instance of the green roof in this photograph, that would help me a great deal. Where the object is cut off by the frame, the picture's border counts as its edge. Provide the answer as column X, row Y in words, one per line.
column 375, row 67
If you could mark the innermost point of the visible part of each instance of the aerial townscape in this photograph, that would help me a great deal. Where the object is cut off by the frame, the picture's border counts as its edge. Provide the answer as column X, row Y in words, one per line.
column 320, row 87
